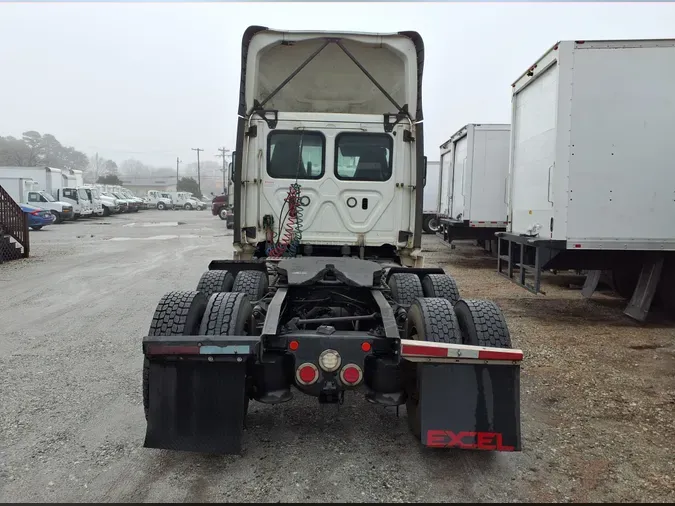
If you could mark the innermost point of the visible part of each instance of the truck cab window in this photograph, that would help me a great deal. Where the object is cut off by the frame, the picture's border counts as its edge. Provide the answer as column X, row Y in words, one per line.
column 292, row 155
column 34, row 197
column 363, row 156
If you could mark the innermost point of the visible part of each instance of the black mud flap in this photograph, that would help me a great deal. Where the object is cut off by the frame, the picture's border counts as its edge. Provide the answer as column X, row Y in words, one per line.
column 470, row 406
column 196, row 406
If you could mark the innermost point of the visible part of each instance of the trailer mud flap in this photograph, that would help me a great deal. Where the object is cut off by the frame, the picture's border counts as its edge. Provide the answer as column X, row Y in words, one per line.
column 472, row 406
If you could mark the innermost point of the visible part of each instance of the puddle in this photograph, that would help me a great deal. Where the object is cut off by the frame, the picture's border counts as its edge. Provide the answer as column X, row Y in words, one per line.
column 155, row 224
column 154, row 238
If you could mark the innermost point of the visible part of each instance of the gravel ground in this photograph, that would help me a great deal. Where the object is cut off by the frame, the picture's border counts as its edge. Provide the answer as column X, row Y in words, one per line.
column 597, row 390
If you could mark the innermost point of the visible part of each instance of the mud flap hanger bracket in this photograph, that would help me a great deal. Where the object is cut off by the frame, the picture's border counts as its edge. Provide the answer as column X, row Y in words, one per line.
column 259, row 107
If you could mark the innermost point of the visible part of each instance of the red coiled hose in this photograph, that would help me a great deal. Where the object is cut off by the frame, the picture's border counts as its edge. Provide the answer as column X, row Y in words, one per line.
column 289, row 229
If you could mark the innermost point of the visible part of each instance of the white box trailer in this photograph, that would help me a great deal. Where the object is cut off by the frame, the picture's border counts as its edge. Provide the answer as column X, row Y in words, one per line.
column 472, row 192
column 430, row 223
column 592, row 180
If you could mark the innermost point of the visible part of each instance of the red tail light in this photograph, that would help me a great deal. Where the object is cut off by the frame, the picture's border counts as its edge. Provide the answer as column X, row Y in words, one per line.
column 351, row 374
column 307, row 374
column 35, row 213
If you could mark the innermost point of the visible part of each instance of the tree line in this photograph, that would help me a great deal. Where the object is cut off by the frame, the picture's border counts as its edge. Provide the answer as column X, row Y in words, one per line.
column 33, row 149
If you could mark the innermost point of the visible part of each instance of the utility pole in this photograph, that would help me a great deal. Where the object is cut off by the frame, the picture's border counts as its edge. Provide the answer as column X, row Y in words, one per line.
column 226, row 176
column 177, row 179
column 199, row 174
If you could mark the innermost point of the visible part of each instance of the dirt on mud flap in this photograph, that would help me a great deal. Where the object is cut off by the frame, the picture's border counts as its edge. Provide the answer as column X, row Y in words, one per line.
column 471, row 402
column 197, row 388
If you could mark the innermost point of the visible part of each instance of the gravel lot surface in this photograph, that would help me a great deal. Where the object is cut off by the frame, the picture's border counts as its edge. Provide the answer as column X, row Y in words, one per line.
column 597, row 394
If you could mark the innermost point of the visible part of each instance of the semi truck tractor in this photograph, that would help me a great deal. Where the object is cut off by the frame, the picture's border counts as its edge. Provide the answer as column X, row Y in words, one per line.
column 327, row 294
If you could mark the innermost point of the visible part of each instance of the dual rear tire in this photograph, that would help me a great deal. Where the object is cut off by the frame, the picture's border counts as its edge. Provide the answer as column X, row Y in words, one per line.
column 221, row 305
column 437, row 313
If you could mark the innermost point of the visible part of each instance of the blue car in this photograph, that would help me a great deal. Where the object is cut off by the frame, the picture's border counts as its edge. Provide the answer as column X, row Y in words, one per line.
column 37, row 217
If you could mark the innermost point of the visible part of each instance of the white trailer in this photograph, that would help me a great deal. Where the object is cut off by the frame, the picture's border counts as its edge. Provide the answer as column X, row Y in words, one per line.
column 47, row 178
column 592, row 185
column 430, row 222
column 472, row 190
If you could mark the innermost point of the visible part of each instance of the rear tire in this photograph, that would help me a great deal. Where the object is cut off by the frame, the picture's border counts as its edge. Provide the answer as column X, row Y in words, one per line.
column 253, row 283
column 215, row 281
column 405, row 288
column 482, row 324
column 188, row 207
column 177, row 314
column 227, row 314
column 440, row 285
column 429, row 319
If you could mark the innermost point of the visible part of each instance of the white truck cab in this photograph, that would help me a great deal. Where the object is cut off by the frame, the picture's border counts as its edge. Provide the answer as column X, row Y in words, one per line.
column 155, row 199
column 94, row 195
column 185, row 200
column 78, row 198
column 61, row 210
column 342, row 141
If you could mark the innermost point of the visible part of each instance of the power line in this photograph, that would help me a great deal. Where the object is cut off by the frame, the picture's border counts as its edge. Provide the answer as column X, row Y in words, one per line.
column 226, row 174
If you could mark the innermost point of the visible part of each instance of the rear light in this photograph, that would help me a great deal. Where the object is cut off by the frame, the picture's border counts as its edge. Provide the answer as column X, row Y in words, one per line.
column 35, row 213
column 365, row 346
column 307, row 374
column 293, row 345
column 351, row 374
column 330, row 360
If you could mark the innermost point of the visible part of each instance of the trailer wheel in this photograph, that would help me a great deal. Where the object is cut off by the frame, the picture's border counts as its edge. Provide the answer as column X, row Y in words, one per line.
column 429, row 319
column 177, row 314
column 215, row 281
column 252, row 283
column 440, row 285
column 430, row 225
column 482, row 324
column 405, row 288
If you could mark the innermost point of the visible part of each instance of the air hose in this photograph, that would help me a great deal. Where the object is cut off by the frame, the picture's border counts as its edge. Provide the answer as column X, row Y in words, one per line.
column 287, row 240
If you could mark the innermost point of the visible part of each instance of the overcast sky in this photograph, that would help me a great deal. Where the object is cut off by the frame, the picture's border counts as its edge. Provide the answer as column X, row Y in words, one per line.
column 150, row 81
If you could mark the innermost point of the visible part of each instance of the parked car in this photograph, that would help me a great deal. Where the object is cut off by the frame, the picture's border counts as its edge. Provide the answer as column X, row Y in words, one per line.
column 37, row 217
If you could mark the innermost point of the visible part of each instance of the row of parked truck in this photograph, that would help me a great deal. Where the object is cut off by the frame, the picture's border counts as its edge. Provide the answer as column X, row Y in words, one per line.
column 64, row 193
column 581, row 179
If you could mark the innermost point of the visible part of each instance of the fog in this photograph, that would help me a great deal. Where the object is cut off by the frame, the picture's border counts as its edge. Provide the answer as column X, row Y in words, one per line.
column 152, row 81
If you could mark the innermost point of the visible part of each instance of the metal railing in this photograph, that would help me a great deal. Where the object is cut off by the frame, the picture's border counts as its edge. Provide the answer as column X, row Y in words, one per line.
column 13, row 221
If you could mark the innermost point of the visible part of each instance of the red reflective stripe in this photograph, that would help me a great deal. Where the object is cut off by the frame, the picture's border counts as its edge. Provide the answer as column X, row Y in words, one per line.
column 500, row 355
column 161, row 349
column 427, row 351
